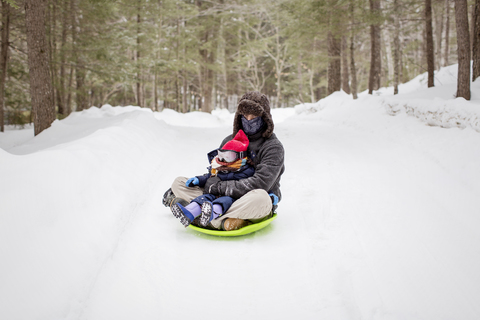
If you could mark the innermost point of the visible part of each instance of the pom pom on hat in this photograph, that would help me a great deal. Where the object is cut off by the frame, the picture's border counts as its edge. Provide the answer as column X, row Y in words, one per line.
column 238, row 143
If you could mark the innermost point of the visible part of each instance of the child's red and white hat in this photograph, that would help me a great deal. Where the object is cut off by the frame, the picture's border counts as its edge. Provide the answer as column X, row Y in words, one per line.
column 239, row 143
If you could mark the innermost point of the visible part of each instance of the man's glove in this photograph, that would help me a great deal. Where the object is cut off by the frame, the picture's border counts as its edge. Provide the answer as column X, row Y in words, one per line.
column 213, row 189
column 211, row 186
column 274, row 198
column 192, row 182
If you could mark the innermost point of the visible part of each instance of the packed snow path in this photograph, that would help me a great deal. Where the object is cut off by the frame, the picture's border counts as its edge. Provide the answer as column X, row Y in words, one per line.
column 379, row 220
column 364, row 232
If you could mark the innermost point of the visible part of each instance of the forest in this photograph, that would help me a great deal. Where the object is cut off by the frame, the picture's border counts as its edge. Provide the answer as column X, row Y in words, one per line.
column 60, row 56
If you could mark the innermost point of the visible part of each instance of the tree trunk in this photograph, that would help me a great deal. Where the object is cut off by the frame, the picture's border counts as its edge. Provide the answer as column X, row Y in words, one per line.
column 81, row 94
column 279, row 66
column 438, row 13
column 223, row 53
column 334, row 63
column 185, row 93
column 388, row 54
column 447, row 32
column 68, row 99
column 312, row 72
column 463, row 43
column 155, row 88
column 476, row 42
column 207, row 75
column 4, row 58
column 139, row 73
column 396, row 47
column 375, row 62
column 41, row 89
column 429, row 47
column 61, row 99
column 353, row 70
column 472, row 26
column 51, row 33
column 300, row 80
column 184, row 73
column 345, row 76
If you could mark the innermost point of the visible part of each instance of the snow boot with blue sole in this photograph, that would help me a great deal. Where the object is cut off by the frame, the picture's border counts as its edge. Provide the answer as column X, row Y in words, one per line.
column 206, row 216
column 182, row 214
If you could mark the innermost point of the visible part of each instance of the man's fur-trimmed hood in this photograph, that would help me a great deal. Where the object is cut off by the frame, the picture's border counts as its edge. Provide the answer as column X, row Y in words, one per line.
column 257, row 104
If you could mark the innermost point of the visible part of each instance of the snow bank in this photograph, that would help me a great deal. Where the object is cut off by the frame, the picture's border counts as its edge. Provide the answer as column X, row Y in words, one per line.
column 64, row 205
column 438, row 112
column 436, row 106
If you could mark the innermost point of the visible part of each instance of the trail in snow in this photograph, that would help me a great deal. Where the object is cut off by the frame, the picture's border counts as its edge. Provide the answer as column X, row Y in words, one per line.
column 358, row 234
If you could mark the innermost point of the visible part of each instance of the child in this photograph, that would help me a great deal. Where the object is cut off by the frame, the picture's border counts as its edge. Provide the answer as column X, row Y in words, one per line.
column 229, row 163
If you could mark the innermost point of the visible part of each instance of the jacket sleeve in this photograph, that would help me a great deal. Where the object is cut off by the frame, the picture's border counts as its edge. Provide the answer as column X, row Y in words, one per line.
column 203, row 179
column 266, row 173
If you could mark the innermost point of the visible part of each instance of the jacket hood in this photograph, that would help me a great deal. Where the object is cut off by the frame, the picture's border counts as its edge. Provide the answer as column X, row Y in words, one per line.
column 257, row 104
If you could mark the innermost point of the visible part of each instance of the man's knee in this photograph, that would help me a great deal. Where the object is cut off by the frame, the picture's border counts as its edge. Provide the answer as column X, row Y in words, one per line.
column 259, row 201
column 179, row 181
column 260, row 197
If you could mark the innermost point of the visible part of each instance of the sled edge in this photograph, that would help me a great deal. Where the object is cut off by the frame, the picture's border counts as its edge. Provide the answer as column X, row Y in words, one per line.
column 235, row 233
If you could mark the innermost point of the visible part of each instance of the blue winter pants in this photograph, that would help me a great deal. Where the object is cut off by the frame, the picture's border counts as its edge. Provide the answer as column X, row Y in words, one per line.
column 225, row 201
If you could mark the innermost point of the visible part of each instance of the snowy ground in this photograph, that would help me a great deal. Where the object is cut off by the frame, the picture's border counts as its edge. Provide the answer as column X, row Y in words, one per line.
column 379, row 220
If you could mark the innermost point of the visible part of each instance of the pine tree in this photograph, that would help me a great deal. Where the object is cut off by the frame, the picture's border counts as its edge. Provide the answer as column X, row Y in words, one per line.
column 4, row 58
column 463, row 43
column 476, row 42
column 429, row 44
column 375, row 62
column 447, row 32
column 41, row 88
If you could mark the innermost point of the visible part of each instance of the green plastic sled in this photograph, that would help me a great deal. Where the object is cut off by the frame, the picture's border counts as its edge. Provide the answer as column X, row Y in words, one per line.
column 234, row 233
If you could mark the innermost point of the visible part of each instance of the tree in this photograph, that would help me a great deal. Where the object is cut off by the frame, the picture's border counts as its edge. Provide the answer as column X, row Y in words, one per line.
column 463, row 43
column 476, row 42
column 353, row 70
column 375, row 62
column 447, row 32
column 187, row 55
column 334, row 40
column 396, row 46
column 438, row 13
column 63, row 107
column 429, row 44
column 139, row 55
column 4, row 58
column 334, row 63
column 41, row 88
column 345, row 76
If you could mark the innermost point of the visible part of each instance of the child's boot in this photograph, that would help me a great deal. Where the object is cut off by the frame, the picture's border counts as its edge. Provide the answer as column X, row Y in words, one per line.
column 186, row 214
column 209, row 212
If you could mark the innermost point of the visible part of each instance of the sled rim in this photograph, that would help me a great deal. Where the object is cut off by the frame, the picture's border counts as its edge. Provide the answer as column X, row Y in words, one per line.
column 235, row 233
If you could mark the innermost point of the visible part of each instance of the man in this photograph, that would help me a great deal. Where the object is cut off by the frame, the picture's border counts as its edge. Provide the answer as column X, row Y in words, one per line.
column 257, row 195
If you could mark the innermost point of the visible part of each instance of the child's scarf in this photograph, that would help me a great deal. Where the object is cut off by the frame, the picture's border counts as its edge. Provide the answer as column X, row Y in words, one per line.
column 219, row 166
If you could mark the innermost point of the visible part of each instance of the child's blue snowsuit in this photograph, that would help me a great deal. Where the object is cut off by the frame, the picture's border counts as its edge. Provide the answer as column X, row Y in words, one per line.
column 244, row 172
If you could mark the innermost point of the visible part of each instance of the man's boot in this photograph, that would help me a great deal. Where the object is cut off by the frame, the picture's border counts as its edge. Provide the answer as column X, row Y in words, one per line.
column 234, row 224
column 169, row 199
column 168, row 196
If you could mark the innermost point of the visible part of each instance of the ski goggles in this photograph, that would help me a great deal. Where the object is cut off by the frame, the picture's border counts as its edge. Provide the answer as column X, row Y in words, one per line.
column 230, row 155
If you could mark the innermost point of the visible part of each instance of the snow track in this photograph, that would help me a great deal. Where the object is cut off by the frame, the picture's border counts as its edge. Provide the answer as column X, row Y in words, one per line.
column 379, row 220
column 357, row 238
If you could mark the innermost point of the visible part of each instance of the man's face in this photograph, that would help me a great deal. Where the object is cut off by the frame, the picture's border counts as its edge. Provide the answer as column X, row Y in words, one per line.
column 250, row 117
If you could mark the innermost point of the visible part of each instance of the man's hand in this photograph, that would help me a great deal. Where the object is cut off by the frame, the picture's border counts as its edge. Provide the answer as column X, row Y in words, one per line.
column 211, row 186
column 274, row 198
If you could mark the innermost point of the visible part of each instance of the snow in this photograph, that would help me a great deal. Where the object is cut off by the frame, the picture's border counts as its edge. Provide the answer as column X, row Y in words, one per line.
column 379, row 218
